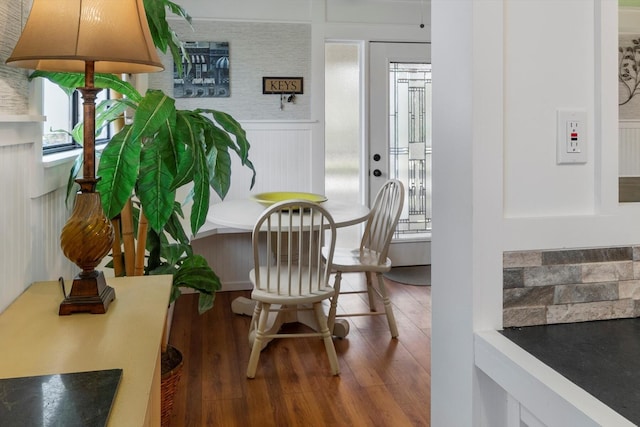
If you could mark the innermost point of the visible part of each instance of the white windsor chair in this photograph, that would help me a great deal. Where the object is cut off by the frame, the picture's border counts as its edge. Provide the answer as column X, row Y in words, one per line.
column 371, row 257
column 292, row 274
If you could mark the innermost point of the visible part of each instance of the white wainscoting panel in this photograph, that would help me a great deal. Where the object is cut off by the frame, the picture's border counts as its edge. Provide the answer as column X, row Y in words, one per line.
column 49, row 215
column 281, row 155
column 230, row 256
column 15, row 226
column 629, row 146
column 30, row 227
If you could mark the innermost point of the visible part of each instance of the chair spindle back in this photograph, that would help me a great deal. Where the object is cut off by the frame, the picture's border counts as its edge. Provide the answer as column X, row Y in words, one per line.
column 294, row 232
column 383, row 218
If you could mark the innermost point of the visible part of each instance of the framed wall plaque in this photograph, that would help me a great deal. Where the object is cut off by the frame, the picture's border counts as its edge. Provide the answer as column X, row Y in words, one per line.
column 282, row 85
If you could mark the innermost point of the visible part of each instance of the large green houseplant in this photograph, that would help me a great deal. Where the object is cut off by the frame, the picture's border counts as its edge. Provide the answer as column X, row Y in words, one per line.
column 160, row 150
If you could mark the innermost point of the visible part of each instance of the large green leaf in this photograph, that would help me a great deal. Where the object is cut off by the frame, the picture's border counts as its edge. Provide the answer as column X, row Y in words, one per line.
column 185, row 169
column 220, row 163
column 172, row 148
column 157, row 172
column 154, row 184
column 110, row 81
column 231, row 126
column 68, row 82
column 196, row 274
column 154, row 247
column 205, row 302
column 152, row 113
column 176, row 46
column 157, row 20
column 174, row 226
column 173, row 253
column 118, row 169
column 189, row 133
column 201, row 193
column 163, row 36
column 107, row 111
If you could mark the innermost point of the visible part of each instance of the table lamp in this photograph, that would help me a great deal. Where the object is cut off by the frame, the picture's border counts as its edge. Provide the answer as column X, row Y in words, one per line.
column 90, row 36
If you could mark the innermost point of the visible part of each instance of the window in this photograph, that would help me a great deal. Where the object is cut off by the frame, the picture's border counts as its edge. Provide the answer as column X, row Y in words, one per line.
column 62, row 113
column 58, row 109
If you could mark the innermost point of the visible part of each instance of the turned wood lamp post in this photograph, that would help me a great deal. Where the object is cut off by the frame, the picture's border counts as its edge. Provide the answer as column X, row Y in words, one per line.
column 89, row 36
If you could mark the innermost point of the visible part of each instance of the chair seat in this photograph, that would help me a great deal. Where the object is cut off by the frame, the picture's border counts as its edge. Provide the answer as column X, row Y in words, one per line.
column 356, row 260
column 273, row 297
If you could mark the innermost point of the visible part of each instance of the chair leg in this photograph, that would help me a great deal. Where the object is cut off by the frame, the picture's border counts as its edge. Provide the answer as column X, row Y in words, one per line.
column 253, row 326
column 387, row 306
column 263, row 313
column 370, row 292
column 326, row 336
column 333, row 308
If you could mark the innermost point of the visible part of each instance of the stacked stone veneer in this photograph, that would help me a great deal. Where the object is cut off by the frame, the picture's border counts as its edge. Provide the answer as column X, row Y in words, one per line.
column 575, row 285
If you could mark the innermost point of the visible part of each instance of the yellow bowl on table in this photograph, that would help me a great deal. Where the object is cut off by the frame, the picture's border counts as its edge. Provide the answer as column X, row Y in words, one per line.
column 268, row 199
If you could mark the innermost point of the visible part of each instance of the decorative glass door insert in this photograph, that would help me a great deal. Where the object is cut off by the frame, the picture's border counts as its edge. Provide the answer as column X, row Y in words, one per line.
column 410, row 143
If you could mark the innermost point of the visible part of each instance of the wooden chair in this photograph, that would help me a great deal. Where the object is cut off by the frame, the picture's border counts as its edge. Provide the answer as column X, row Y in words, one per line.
column 291, row 275
column 371, row 257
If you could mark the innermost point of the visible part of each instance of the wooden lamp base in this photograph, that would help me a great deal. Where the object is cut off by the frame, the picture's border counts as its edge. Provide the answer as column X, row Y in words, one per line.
column 89, row 294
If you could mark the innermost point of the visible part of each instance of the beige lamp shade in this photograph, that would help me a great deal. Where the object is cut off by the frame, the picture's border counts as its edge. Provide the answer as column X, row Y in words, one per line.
column 61, row 35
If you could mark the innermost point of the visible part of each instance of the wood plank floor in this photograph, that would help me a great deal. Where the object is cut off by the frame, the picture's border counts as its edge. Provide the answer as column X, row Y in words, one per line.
column 382, row 382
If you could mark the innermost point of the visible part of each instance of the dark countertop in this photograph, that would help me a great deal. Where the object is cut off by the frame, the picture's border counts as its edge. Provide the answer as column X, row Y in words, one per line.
column 79, row 399
column 602, row 357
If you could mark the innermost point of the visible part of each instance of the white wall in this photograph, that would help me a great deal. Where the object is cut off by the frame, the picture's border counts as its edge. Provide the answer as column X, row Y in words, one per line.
column 562, row 62
column 522, row 60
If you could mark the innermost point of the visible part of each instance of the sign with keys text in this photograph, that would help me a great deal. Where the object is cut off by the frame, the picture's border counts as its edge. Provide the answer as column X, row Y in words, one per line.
column 282, row 85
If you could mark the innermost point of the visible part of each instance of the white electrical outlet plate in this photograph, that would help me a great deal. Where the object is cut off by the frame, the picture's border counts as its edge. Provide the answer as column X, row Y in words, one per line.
column 571, row 137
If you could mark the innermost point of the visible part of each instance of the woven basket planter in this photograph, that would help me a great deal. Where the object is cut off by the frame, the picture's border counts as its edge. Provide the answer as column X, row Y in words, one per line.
column 171, row 373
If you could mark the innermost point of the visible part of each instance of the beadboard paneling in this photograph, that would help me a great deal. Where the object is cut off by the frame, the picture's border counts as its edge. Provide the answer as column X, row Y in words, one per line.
column 15, row 214
column 629, row 146
column 30, row 227
column 230, row 256
column 281, row 155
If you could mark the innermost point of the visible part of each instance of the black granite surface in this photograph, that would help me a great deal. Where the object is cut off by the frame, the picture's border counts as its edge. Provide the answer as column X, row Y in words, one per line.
column 601, row 357
column 79, row 399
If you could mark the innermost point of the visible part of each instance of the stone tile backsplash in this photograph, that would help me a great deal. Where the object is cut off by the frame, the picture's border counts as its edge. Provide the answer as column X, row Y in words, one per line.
column 570, row 285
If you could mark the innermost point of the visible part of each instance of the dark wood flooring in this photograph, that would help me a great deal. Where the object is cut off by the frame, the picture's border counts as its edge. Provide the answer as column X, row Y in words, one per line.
column 383, row 382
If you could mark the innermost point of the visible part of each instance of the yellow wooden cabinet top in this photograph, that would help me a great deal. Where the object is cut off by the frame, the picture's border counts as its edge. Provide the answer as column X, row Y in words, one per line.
column 36, row 341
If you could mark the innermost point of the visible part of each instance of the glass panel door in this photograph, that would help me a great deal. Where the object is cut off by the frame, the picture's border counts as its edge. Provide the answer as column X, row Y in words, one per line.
column 400, row 140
